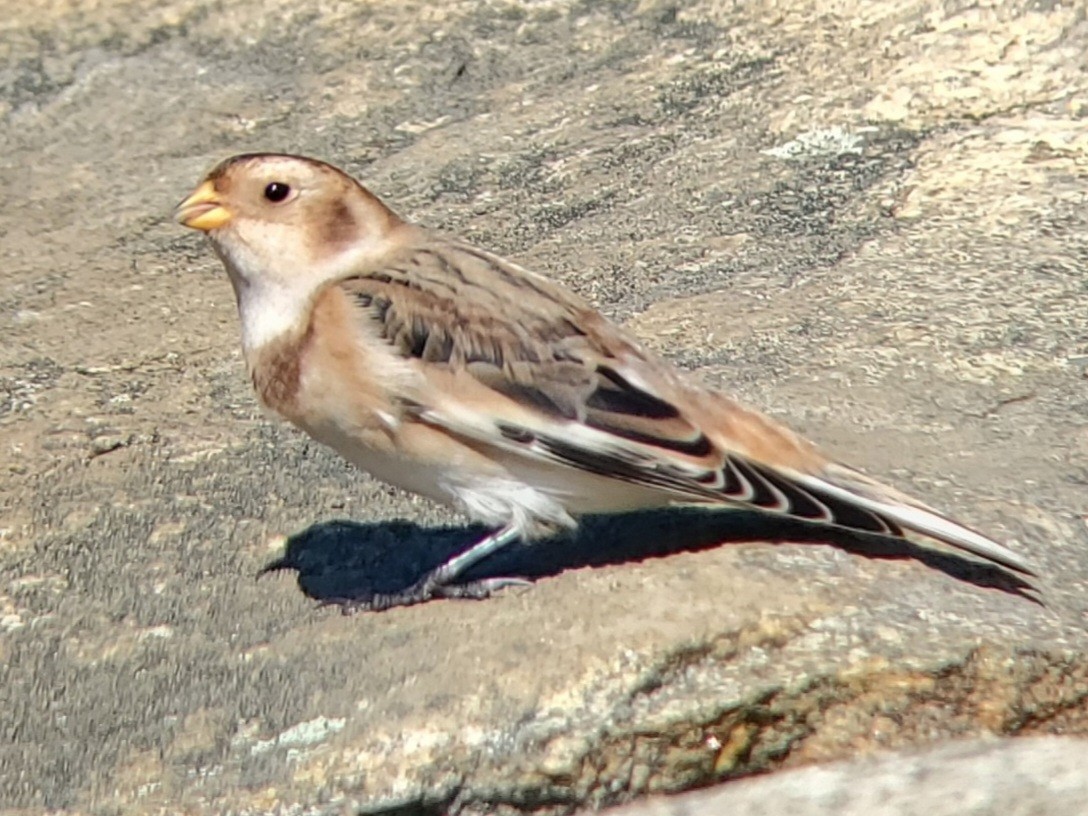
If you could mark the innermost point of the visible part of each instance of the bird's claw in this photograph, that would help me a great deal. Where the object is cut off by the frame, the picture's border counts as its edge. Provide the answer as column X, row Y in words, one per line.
column 424, row 590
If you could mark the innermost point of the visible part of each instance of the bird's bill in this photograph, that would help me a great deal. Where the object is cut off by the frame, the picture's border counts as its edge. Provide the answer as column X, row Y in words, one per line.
column 202, row 210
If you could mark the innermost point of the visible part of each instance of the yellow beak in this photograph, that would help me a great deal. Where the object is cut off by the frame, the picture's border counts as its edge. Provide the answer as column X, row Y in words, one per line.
column 202, row 209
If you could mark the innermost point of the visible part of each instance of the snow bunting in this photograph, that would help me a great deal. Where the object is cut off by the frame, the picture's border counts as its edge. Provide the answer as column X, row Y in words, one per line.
column 448, row 371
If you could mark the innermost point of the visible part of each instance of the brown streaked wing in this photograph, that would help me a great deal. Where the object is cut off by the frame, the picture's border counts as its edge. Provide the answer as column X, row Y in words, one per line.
column 519, row 335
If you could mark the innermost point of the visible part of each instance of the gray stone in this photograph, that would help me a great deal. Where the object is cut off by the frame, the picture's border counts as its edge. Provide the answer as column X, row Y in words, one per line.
column 1038, row 776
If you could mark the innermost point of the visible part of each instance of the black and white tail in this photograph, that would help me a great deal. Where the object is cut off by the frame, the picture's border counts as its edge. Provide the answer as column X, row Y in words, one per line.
column 842, row 484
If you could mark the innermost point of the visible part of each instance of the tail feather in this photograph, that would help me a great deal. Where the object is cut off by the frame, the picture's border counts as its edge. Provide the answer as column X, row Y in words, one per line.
column 818, row 505
column 894, row 507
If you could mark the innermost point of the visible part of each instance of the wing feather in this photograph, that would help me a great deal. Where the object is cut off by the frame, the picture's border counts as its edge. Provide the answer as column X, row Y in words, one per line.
column 570, row 388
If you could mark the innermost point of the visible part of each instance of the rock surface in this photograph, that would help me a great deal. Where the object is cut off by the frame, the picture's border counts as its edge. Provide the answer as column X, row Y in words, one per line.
column 1039, row 776
column 870, row 222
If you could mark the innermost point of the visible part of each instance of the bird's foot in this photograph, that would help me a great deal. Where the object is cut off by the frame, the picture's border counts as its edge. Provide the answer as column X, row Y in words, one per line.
column 426, row 589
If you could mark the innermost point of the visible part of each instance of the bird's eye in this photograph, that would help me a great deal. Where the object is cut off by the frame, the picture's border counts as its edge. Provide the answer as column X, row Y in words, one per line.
column 277, row 191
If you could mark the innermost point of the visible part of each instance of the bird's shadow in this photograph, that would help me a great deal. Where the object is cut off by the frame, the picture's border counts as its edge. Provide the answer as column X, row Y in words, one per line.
column 340, row 560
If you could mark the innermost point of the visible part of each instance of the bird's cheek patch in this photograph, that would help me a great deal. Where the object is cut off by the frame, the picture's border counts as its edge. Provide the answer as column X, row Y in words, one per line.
column 339, row 227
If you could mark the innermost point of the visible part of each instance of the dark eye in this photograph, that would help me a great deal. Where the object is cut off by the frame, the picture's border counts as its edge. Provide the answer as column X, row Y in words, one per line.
column 277, row 191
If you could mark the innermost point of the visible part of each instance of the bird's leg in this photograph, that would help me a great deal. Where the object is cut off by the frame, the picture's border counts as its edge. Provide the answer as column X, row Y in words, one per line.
column 473, row 555
column 436, row 583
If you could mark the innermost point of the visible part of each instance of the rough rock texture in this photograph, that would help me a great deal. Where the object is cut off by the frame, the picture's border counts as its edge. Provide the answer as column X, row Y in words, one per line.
column 1040, row 776
column 868, row 218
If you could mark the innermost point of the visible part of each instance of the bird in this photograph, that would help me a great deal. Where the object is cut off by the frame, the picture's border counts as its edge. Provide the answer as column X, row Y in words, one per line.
column 446, row 370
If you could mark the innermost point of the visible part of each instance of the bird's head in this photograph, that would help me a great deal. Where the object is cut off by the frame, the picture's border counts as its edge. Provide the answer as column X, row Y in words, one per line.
column 287, row 221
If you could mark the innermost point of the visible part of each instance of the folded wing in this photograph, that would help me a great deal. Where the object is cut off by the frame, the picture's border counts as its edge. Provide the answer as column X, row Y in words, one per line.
column 528, row 368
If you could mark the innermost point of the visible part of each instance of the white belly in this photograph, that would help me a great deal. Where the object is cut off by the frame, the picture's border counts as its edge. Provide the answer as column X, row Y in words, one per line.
column 533, row 498
column 427, row 481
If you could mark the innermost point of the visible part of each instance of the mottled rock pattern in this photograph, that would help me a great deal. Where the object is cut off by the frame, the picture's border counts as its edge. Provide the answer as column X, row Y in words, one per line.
column 1040, row 776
